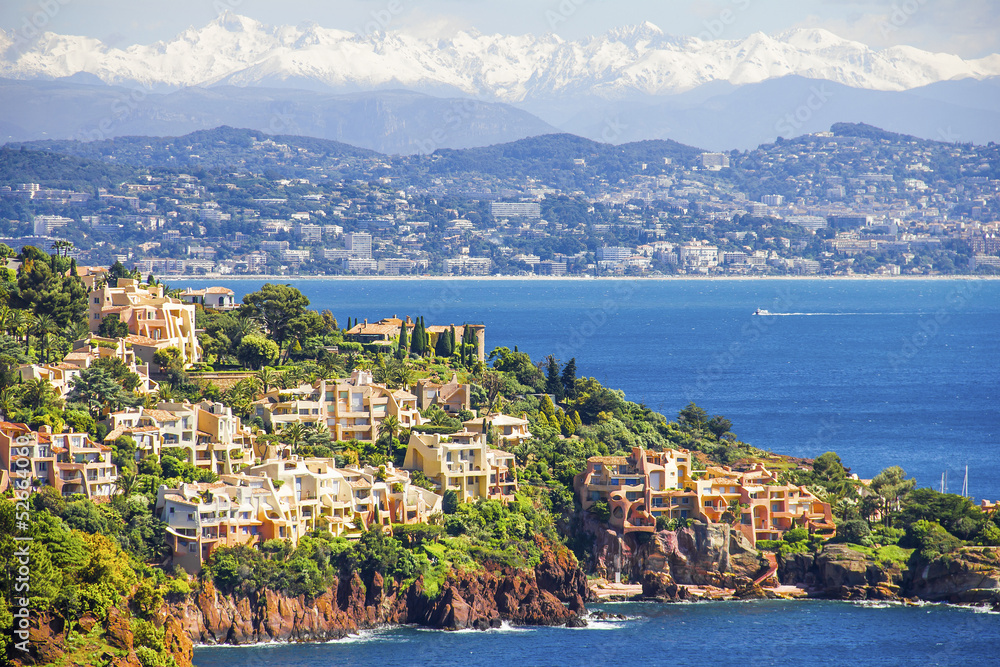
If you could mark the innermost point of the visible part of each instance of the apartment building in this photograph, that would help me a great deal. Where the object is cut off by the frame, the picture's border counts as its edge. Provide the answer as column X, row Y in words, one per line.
column 86, row 352
column 70, row 462
column 215, row 438
column 646, row 485
column 155, row 321
column 511, row 431
column 286, row 499
column 201, row 517
column 639, row 488
column 351, row 408
column 452, row 396
column 464, row 463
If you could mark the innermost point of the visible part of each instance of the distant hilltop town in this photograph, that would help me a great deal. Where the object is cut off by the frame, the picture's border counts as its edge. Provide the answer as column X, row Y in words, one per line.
column 855, row 200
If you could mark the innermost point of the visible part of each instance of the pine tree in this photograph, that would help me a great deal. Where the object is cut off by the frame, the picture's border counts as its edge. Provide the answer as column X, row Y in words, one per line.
column 569, row 378
column 577, row 423
column 553, row 385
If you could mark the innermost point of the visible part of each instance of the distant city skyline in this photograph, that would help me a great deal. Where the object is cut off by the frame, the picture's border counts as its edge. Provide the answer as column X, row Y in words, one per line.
column 970, row 28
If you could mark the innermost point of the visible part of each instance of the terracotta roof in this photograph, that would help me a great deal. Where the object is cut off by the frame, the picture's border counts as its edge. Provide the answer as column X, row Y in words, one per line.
column 220, row 290
column 374, row 330
column 609, row 460
column 115, row 434
column 161, row 415
column 14, row 426
column 141, row 340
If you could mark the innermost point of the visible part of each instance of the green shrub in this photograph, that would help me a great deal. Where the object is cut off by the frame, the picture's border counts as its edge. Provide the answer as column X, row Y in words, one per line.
column 796, row 535
column 855, row 531
column 148, row 657
column 769, row 545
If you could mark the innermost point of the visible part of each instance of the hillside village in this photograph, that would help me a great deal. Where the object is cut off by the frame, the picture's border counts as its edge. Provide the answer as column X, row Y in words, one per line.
column 246, row 480
column 170, row 452
column 226, row 202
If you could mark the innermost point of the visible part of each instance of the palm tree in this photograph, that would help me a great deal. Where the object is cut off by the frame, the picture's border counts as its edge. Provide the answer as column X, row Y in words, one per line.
column 126, row 483
column 332, row 367
column 267, row 377
column 43, row 326
column 8, row 401
column 38, row 393
column 293, row 376
column 389, row 426
column 20, row 325
column 76, row 331
column 5, row 317
column 244, row 327
column 292, row 433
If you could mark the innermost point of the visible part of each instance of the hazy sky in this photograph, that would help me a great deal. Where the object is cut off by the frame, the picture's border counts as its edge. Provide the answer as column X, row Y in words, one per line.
column 970, row 28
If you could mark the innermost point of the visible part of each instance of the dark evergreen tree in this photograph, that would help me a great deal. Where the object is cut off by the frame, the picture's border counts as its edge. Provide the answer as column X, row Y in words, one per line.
column 569, row 378
column 553, row 384
column 441, row 346
column 417, row 338
column 404, row 344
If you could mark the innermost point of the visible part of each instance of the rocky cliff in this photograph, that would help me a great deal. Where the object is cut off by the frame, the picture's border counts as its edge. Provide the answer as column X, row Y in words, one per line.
column 552, row 593
column 968, row 575
column 477, row 599
column 701, row 555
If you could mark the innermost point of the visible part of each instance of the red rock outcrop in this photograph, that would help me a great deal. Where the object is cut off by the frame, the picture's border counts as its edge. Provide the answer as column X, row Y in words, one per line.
column 552, row 593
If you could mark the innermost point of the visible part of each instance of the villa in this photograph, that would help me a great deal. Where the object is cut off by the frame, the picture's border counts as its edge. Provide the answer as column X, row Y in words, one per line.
column 386, row 332
column 215, row 438
column 155, row 321
column 464, row 463
column 70, row 462
column 86, row 352
column 647, row 485
column 286, row 499
column 219, row 298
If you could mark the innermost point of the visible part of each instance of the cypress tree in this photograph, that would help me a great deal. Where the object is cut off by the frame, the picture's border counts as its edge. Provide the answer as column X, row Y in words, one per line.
column 417, row 338
column 553, row 385
column 441, row 347
column 569, row 378
column 451, row 341
column 403, row 343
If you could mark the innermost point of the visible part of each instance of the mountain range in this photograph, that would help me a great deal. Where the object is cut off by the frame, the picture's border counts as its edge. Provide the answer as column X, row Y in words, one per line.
column 396, row 92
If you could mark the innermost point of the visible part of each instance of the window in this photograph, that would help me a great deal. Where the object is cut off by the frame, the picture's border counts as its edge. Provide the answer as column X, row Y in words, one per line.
column 171, row 510
column 190, row 516
column 192, row 547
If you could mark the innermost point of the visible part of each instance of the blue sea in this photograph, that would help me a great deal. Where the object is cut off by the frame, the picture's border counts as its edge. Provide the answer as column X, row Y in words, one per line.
column 884, row 372
column 720, row 634
column 901, row 372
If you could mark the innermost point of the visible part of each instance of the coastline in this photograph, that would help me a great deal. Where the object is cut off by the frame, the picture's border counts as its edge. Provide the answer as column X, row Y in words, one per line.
column 262, row 276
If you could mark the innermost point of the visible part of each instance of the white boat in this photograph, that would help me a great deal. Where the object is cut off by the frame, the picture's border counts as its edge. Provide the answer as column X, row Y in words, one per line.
column 761, row 311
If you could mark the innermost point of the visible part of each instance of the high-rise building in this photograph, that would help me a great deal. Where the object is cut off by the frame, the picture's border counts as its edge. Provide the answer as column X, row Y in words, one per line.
column 359, row 245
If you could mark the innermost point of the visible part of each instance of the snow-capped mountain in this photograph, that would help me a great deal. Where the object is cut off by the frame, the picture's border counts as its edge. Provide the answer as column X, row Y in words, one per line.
column 641, row 60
